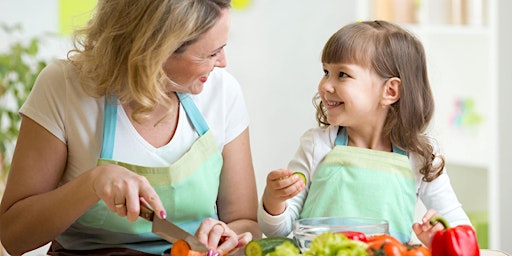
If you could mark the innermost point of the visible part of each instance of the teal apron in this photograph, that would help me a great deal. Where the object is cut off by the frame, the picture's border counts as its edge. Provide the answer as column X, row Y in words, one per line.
column 360, row 182
column 188, row 190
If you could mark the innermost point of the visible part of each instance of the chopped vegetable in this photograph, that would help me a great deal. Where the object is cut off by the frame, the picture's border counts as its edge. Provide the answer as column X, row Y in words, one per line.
column 355, row 235
column 333, row 244
column 385, row 245
column 302, row 176
column 417, row 250
column 262, row 247
column 287, row 248
column 181, row 248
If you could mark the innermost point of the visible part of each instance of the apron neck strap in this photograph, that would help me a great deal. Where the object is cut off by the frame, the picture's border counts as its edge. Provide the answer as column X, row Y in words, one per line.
column 110, row 120
column 109, row 127
column 342, row 140
column 193, row 113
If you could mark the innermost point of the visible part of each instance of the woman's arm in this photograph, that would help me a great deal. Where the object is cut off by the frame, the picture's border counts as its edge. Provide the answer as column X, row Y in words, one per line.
column 238, row 200
column 35, row 209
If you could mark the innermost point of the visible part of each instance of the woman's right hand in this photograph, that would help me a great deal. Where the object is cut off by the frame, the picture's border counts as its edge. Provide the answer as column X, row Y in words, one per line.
column 282, row 185
column 123, row 190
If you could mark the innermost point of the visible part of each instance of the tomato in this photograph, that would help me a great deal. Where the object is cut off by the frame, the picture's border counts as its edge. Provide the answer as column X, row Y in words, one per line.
column 354, row 235
column 417, row 250
column 385, row 245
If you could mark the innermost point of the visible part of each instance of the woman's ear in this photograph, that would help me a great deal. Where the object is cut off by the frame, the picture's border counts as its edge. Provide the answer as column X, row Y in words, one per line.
column 391, row 92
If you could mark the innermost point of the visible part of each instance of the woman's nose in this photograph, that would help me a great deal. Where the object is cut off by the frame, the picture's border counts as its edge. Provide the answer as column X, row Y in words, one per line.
column 221, row 60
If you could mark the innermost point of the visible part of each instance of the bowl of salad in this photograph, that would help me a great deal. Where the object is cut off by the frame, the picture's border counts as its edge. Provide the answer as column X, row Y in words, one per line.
column 305, row 230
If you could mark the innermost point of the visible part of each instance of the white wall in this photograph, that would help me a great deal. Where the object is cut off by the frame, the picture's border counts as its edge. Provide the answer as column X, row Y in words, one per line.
column 274, row 52
column 37, row 18
column 505, row 125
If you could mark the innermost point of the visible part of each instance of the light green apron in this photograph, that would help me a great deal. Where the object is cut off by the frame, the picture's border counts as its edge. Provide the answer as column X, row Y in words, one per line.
column 360, row 182
column 188, row 189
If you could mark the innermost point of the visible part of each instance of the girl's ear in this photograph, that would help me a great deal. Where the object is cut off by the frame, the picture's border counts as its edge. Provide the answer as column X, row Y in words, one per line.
column 391, row 92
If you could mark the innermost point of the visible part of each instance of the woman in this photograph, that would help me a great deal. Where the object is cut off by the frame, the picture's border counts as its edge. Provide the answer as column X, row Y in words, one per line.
column 140, row 112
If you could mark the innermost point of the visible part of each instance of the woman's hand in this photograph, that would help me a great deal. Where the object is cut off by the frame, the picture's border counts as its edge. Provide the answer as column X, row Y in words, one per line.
column 216, row 235
column 281, row 185
column 424, row 230
column 123, row 190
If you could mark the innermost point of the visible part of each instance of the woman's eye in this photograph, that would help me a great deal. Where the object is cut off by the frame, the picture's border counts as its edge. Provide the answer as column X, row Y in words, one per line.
column 215, row 54
column 343, row 74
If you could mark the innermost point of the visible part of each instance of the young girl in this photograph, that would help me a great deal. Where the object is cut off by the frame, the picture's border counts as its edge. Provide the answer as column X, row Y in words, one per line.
column 370, row 156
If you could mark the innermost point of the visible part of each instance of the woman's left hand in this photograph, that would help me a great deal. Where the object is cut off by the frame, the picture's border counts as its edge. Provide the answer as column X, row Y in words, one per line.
column 217, row 236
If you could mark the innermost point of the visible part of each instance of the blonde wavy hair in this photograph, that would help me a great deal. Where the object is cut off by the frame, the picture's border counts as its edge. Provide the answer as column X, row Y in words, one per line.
column 391, row 51
column 123, row 47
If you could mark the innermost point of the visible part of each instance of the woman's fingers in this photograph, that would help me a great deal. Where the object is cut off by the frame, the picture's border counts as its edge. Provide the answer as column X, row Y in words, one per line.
column 217, row 236
column 122, row 190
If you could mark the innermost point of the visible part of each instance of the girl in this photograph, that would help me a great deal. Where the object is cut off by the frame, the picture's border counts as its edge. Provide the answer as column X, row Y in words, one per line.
column 370, row 156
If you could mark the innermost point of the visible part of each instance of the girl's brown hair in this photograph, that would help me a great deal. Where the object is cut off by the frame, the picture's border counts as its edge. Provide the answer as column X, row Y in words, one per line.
column 122, row 49
column 391, row 51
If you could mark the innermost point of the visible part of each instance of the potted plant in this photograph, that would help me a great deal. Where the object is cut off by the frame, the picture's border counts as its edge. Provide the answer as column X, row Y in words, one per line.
column 19, row 67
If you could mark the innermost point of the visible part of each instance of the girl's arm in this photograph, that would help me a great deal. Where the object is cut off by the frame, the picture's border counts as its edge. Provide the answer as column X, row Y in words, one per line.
column 314, row 144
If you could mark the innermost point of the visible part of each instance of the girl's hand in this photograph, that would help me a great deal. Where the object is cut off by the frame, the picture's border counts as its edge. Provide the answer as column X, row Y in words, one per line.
column 281, row 186
column 216, row 235
column 424, row 230
column 122, row 191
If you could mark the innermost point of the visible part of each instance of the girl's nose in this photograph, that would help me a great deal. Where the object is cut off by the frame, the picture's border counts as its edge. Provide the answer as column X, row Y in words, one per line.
column 325, row 86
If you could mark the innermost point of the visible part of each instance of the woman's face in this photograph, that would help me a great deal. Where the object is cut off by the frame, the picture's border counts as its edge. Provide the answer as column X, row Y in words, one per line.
column 191, row 68
column 352, row 95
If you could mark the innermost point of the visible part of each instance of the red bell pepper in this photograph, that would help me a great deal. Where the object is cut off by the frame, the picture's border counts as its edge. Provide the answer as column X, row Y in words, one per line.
column 355, row 235
column 454, row 241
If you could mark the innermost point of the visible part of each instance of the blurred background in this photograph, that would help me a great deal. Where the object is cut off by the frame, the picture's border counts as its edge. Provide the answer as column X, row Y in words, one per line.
column 275, row 50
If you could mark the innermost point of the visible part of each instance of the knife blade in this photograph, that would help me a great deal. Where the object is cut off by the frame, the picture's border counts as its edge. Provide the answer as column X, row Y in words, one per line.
column 170, row 231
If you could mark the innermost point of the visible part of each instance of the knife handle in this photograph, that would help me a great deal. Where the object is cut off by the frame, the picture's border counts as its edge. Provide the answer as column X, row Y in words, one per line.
column 146, row 212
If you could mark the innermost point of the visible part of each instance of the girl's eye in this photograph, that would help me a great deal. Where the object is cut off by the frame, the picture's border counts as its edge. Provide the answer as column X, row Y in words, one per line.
column 326, row 73
column 343, row 74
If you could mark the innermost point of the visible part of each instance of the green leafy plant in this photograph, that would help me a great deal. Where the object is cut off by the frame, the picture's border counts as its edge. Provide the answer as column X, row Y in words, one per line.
column 19, row 67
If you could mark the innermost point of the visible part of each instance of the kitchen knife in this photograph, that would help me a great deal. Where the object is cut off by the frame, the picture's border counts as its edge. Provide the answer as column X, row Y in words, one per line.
column 169, row 231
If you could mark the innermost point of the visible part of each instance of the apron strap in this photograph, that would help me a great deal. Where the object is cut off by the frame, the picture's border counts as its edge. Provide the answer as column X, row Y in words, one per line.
column 109, row 128
column 342, row 140
column 193, row 113
column 110, row 118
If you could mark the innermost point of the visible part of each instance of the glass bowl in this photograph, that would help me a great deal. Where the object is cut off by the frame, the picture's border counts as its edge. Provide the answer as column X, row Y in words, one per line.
column 305, row 230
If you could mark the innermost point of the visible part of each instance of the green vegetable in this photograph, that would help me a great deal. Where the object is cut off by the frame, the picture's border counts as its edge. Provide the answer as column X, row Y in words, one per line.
column 287, row 248
column 325, row 244
column 264, row 246
column 335, row 244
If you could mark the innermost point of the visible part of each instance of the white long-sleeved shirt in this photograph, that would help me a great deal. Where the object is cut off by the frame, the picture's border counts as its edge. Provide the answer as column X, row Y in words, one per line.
column 315, row 144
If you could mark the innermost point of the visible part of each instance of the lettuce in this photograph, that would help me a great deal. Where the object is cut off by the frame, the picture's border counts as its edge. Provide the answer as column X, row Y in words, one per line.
column 334, row 244
column 325, row 244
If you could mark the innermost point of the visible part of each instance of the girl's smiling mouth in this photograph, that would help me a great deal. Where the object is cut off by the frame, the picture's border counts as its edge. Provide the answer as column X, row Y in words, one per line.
column 330, row 103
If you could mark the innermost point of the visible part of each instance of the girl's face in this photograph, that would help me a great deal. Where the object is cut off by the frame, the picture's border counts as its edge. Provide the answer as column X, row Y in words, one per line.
column 191, row 68
column 352, row 95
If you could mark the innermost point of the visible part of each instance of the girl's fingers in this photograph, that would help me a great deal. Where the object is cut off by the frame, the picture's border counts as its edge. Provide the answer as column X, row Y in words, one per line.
column 277, row 175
